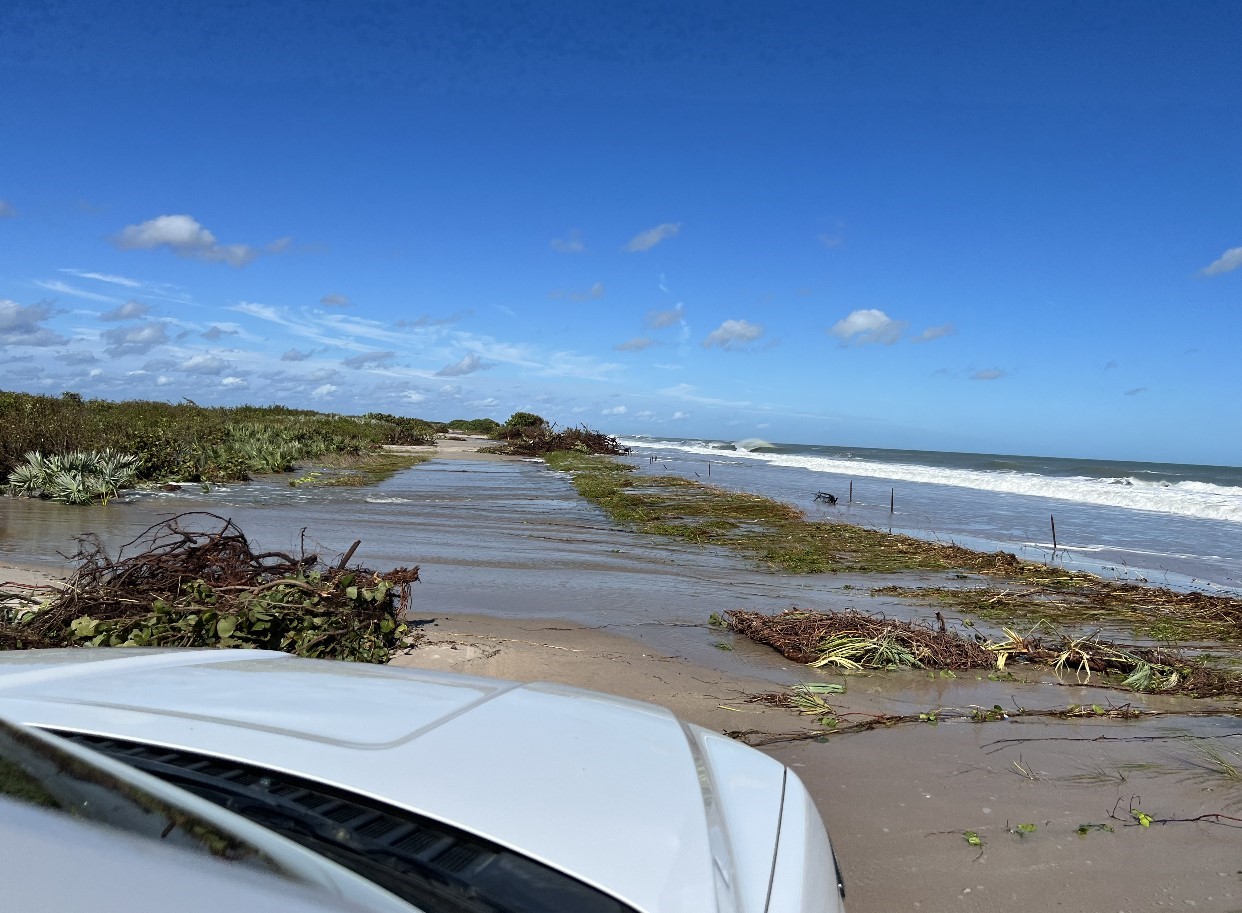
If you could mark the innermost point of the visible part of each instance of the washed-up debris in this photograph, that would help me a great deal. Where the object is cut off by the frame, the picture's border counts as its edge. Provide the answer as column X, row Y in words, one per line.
column 195, row 581
column 851, row 641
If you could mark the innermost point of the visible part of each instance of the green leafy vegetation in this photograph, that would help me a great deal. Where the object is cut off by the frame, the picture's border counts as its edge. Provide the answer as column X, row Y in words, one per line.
column 532, row 435
column 488, row 426
column 78, row 451
column 198, row 583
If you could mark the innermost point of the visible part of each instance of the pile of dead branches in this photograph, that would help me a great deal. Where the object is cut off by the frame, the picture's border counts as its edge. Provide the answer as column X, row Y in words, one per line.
column 195, row 581
column 852, row 640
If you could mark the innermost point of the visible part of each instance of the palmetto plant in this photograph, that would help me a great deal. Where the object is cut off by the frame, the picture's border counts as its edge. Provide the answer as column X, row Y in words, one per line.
column 74, row 477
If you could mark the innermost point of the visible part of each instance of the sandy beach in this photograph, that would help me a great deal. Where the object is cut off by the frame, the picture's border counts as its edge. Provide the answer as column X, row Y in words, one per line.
column 524, row 581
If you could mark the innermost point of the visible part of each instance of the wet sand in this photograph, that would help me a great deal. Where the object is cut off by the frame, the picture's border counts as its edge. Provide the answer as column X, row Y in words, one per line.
column 524, row 580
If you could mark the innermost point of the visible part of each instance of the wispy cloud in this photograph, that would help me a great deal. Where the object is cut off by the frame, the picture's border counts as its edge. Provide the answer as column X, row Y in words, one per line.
column 945, row 329
column 615, row 410
column 659, row 319
column 570, row 244
column 468, row 365
column 105, row 277
column 680, row 416
column 1136, row 391
column 1225, row 263
column 645, row 240
column 296, row 355
column 64, row 288
column 690, row 393
column 184, row 235
column 733, row 334
column 324, row 391
column 335, row 301
column 6, row 210
column 596, row 291
column 988, row 374
column 868, row 326
column 369, row 360
column 637, row 344
column 130, row 310
column 148, row 289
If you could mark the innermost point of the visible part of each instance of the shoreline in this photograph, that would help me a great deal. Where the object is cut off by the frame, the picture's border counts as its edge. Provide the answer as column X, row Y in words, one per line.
column 626, row 614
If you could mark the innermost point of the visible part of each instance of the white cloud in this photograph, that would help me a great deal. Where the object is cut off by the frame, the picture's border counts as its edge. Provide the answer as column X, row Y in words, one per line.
column 1225, row 263
column 660, row 319
column 869, row 326
column 413, row 396
column 646, row 414
column 130, row 310
column 488, row 403
column 467, row 365
column 335, row 301
column 135, row 340
column 22, row 326
column 679, row 415
column 296, row 355
column 615, row 410
column 184, row 235
column 324, row 391
column 733, row 334
column 945, row 329
column 645, row 240
column 233, row 382
column 988, row 374
column 570, row 244
column 204, row 364
column 6, row 210
column 104, row 277
column 451, row 390
column 637, row 344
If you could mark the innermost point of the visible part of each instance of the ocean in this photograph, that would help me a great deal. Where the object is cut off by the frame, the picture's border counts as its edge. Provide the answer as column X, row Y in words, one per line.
column 1167, row 524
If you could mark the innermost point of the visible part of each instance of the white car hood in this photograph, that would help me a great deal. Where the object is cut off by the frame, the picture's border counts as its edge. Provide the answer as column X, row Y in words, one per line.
column 623, row 795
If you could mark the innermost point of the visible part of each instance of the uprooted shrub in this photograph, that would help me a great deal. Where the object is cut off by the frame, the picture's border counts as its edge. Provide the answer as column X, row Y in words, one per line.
column 194, row 581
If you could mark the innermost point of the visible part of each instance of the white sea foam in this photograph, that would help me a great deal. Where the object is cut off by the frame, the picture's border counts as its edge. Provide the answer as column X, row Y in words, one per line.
column 1188, row 499
column 371, row 500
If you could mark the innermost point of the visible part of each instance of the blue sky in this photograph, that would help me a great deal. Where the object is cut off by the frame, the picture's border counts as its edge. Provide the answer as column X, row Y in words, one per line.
column 1004, row 227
